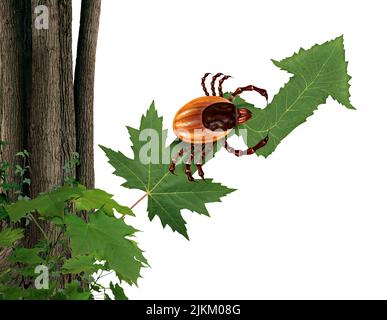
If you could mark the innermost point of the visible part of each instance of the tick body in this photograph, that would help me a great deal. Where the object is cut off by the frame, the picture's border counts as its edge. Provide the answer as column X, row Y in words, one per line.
column 208, row 119
column 192, row 123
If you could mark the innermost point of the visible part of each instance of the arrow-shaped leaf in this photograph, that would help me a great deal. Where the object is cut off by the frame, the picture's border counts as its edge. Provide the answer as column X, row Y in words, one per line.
column 319, row 72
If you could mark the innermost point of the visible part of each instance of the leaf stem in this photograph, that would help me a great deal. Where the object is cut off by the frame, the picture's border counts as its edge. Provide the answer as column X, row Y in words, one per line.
column 53, row 245
column 40, row 228
column 136, row 203
column 139, row 200
column 107, row 274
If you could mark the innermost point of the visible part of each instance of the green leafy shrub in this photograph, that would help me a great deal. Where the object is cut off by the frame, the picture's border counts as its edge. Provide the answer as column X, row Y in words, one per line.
column 100, row 245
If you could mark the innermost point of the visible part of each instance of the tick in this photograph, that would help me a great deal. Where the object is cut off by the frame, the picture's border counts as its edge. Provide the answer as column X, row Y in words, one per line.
column 208, row 119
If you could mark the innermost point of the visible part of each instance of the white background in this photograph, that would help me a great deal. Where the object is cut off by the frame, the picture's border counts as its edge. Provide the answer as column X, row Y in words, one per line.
column 308, row 222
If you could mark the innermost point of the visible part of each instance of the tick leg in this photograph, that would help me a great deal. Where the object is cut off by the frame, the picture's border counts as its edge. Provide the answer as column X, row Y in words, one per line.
column 175, row 159
column 188, row 164
column 200, row 170
column 213, row 82
column 220, row 88
column 204, row 83
column 231, row 149
column 172, row 167
column 249, row 151
column 259, row 145
column 238, row 91
column 199, row 164
column 189, row 173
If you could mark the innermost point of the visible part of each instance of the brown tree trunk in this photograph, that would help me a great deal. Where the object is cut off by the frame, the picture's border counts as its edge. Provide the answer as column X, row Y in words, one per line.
column 52, row 114
column 84, row 89
column 51, row 138
column 37, row 104
column 12, row 84
column 12, row 92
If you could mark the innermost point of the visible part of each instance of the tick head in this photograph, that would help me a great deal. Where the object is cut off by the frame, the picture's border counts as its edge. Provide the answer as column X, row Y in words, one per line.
column 243, row 115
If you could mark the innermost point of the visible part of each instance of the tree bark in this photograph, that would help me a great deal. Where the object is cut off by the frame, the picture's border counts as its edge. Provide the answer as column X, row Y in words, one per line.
column 51, row 139
column 40, row 110
column 52, row 114
column 84, row 89
column 12, row 82
column 12, row 92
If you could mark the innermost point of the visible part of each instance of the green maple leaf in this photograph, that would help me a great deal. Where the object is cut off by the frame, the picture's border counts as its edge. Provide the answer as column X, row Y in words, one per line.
column 319, row 72
column 81, row 263
column 118, row 292
column 53, row 204
column 48, row 204
column 9, row 236
column 74, row 291
column 29, row 256
column 95, row 198
column 107, row 238
column 167, row 194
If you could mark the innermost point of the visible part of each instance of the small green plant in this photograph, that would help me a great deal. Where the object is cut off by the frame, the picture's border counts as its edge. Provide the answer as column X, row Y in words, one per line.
column 69, row 167
column 99, row 246
column 4, row 185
